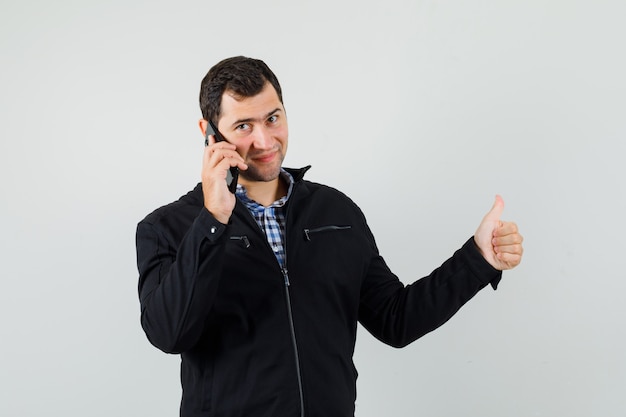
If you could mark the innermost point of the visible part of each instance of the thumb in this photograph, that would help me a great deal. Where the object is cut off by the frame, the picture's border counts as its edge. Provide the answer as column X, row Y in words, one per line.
column 487, row 227
column 496, row 210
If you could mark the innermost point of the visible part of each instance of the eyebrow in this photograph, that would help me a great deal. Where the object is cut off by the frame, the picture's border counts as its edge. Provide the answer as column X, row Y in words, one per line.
column 251, row 119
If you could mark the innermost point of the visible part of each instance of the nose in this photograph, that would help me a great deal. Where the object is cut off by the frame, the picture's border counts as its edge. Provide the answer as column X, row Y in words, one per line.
column 263, row 138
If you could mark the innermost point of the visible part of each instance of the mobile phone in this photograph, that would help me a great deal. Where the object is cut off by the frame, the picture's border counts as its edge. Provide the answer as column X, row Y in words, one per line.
column 233, row 173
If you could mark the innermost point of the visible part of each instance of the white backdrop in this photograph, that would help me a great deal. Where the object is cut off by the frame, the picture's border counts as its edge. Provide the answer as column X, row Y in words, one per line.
column 421, row 111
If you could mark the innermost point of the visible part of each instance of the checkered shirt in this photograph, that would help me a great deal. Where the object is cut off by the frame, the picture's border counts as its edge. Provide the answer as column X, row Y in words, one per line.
column 271, row 219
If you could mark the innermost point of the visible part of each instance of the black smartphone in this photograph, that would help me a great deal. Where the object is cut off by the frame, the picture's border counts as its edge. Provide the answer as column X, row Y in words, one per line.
column 233, row 173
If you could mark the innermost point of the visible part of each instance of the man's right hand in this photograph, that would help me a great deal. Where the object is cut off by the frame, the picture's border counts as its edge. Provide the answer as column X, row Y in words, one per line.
column 218, row 158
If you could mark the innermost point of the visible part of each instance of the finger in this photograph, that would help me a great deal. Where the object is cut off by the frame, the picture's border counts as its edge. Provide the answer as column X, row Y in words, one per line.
column 496, row 210
column 505, row 228
column 515, row 249
column 510, row 239
column 206, row 156
column 214, row 154
column 509, row 260
column 209, row 140
column 230, row 160
column 215, row 146
column 508, row 256
column 226, row 158
column 221, row 150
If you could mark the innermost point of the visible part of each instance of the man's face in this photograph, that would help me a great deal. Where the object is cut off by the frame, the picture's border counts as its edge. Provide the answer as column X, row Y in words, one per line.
column 257, row 126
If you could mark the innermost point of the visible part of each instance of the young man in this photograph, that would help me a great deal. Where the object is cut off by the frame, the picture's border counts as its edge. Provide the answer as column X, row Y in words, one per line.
column 260, row 291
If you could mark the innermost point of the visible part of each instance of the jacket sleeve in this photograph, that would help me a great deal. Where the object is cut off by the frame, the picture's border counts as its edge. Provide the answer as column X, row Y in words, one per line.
column 178, row 279
column 398, row 314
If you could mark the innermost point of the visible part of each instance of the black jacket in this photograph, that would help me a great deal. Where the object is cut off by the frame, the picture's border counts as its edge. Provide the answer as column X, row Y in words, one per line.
column 259, row 341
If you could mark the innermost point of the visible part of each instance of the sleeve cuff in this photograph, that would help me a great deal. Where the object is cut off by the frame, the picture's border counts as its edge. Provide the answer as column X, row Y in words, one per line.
column 481, row 268
column 213, row 229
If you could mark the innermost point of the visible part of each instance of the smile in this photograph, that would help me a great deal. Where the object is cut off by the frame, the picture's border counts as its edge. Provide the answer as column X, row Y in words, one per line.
column 266, row 158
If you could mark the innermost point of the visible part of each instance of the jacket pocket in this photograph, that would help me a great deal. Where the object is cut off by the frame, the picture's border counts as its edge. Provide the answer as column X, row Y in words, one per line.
column 311, row 233
column 243, row 239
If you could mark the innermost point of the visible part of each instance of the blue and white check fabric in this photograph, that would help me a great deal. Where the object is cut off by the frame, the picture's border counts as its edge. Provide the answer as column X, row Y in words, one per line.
column 271, row 219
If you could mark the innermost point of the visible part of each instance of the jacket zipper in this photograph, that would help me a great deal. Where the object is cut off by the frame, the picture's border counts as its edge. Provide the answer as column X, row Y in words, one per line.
column 292, row 328
column 309, row 232
column 244, row 239
column 283, row 269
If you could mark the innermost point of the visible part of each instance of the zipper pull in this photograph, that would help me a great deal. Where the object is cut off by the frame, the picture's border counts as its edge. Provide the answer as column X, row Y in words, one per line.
column 286, row 276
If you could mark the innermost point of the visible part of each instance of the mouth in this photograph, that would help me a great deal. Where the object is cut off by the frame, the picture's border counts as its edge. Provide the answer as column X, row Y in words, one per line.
column 265, row 158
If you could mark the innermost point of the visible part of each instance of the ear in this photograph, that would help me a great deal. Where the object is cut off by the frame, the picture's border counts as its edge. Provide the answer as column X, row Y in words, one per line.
column 202, row 124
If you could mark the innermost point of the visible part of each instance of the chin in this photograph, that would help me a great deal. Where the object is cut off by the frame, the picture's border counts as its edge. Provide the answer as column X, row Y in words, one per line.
column 261, row 175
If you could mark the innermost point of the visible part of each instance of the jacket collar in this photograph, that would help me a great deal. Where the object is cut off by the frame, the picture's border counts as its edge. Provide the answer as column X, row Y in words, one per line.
column 298, row 173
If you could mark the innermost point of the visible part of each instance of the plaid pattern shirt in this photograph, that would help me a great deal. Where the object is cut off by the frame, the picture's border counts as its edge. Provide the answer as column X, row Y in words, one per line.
column 271, row 219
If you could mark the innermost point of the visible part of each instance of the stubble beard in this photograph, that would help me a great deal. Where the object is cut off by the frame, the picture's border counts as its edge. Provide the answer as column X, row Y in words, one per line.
column 263, row 173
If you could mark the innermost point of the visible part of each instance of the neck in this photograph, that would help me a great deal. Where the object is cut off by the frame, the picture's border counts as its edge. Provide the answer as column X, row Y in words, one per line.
column 265, row 192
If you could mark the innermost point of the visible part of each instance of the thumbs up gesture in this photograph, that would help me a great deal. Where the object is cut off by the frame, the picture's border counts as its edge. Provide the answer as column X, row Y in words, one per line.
column 499, row 242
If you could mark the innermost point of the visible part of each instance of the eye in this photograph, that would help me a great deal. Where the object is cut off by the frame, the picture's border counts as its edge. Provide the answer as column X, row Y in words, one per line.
column 272, row 119
column 243, row 127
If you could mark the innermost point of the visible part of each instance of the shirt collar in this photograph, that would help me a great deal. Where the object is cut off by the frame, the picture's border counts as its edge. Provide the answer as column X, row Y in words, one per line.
column 243, row 195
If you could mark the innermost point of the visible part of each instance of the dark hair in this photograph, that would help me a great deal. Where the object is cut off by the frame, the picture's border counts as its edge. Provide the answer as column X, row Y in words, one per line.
column 245, row 77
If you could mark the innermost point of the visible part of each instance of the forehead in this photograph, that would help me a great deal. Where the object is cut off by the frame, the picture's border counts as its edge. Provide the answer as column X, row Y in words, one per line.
column 237, row 107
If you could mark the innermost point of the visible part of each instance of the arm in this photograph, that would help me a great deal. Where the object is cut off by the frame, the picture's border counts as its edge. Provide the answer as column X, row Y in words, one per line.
column 180, row 263
column 398, row 315
column 178, row 279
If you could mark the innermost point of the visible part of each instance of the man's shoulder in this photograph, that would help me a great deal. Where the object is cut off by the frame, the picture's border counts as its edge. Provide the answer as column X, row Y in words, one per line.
column 321, row 197
column 183, row 209
column 323, row 190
